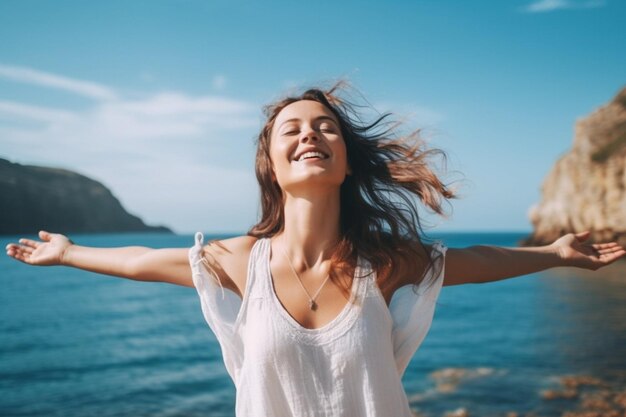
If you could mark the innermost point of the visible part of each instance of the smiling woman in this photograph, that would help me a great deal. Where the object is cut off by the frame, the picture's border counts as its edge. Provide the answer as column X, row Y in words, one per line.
column 319, row 308
column 362, row 205
column 299, row 144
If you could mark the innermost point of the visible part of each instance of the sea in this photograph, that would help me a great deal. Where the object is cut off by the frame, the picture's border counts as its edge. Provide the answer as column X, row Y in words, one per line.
column 76, row 343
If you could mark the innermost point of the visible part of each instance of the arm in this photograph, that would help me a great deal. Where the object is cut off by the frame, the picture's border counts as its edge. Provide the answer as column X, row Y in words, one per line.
column 485, row 263
column 132, row 262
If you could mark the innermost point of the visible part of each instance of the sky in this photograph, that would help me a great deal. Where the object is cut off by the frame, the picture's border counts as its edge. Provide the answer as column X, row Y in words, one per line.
column 161, row 101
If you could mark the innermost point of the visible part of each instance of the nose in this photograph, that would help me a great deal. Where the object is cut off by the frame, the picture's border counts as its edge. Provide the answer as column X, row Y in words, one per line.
column 308, row 134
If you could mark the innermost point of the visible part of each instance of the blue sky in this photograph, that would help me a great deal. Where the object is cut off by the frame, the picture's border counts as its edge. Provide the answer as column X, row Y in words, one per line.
column 161, row 100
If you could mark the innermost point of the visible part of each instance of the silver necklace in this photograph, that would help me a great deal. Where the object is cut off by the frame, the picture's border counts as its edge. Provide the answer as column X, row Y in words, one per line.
column 312, row 303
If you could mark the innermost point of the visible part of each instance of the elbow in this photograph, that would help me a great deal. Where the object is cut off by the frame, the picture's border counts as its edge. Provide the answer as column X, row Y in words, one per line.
column 132, row 270
column 135, row 268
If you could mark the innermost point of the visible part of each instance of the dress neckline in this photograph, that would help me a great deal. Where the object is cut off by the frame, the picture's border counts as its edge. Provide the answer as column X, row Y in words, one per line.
column 348, row 311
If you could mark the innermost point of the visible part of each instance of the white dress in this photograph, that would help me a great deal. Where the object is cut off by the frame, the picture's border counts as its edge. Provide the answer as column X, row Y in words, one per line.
column 352, row 366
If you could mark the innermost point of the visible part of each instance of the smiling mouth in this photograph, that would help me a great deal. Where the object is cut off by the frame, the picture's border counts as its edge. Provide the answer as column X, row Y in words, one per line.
column 311, row 156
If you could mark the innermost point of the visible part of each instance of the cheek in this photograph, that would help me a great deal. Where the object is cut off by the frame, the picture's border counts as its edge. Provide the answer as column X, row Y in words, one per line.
column 275, row 155
column 340, row 149
column 278, row 158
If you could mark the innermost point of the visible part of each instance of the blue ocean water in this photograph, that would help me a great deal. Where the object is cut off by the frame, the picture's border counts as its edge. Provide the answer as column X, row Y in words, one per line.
column 75, row 343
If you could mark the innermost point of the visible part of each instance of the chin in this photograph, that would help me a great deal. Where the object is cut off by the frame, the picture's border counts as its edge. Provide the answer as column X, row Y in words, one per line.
column 314, row 180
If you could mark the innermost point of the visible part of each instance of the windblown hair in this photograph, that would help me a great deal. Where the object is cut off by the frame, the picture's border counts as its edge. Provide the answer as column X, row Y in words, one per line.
column 372, row 224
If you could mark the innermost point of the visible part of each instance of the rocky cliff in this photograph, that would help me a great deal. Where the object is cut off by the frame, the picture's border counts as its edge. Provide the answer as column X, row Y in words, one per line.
column 586, row 188
column 62, row 201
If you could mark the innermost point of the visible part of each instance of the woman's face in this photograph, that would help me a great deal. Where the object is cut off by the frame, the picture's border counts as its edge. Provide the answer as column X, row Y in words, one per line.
column 302, row 127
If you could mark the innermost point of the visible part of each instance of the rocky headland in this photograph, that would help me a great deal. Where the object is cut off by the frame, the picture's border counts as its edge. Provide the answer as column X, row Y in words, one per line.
column 586, row 188
column 61, row 201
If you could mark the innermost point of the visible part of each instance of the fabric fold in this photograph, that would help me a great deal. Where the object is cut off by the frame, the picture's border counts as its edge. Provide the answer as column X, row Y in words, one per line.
column 220, row 306
column 413, row 313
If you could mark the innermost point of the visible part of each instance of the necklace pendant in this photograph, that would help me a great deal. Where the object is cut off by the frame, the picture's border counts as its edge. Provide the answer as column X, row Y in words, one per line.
column 312, row 305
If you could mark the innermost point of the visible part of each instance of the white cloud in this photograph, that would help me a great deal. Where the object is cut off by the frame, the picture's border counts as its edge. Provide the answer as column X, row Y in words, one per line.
column 171, row 158
column 163, row 115
column 45, row 79
column 541, row 6
column 171, row 114
column 14, row 110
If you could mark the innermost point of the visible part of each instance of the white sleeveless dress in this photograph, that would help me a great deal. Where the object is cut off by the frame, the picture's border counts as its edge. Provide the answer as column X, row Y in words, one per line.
column 352, row 366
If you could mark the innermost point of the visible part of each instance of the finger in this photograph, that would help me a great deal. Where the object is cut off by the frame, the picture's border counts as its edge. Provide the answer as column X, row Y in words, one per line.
column 604, row 245
column 618, row 253
column 609, row 250
column 610, row 257
column 15, row 253
column 12, row 246
column 582, row 236
column 20, row 257
column 614, row 249
column 22, row 248
column 44, row 235
column 29, row 242
column 25, row 250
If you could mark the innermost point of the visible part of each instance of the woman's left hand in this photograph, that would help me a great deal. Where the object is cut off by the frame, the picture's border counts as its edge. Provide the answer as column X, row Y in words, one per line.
column 574, row 252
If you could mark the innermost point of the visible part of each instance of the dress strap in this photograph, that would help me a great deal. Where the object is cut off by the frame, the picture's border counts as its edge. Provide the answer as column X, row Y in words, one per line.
column 263, row 283
column 199, row 238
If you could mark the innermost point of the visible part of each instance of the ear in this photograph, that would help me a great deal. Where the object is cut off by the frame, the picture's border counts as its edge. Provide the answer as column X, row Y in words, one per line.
column 349, row 170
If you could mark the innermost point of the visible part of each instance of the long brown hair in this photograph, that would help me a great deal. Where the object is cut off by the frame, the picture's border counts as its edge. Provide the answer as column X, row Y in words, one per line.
column 372, row 224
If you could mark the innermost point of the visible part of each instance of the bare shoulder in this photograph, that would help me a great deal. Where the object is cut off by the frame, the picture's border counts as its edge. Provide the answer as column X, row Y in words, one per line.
column 229, row 259
column 409, row 267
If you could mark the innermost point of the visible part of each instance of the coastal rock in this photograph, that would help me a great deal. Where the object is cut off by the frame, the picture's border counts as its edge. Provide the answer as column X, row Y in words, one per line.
column 554, row 394
column 586, row 188
column 448, row 379
column 61, row 201
column 597, row 398
column 459, row 412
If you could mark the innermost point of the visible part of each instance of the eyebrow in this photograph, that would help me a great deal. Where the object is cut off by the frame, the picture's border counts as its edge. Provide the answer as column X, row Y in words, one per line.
column 295, row 119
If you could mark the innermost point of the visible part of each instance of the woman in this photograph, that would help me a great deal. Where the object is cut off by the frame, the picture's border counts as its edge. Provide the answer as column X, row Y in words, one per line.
column 308, row 326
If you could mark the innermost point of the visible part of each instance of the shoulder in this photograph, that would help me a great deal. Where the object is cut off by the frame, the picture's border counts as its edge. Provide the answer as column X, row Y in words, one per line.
column 410, row 262
column 231, row 246
column 229, row 258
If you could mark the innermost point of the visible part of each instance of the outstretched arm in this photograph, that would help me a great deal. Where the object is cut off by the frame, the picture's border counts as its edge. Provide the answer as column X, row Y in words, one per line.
column 486, row 263
column 133, row 262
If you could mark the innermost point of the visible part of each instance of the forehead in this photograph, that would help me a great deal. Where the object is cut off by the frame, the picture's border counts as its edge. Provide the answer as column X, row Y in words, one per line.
column 303, row 109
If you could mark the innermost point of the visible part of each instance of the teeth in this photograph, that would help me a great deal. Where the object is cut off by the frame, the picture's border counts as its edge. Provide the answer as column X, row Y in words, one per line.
column 311, row 154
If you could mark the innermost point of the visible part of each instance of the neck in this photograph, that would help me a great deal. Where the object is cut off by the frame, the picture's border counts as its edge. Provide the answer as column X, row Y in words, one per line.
column 311, row 227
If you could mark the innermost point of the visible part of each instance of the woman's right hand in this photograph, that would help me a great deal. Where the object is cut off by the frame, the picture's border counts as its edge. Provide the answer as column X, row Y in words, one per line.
column 133, row 262
column 49, row 251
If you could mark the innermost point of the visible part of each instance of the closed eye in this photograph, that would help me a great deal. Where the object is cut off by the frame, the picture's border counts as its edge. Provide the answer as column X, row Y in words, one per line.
column 327, row 128
column 293, row 132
